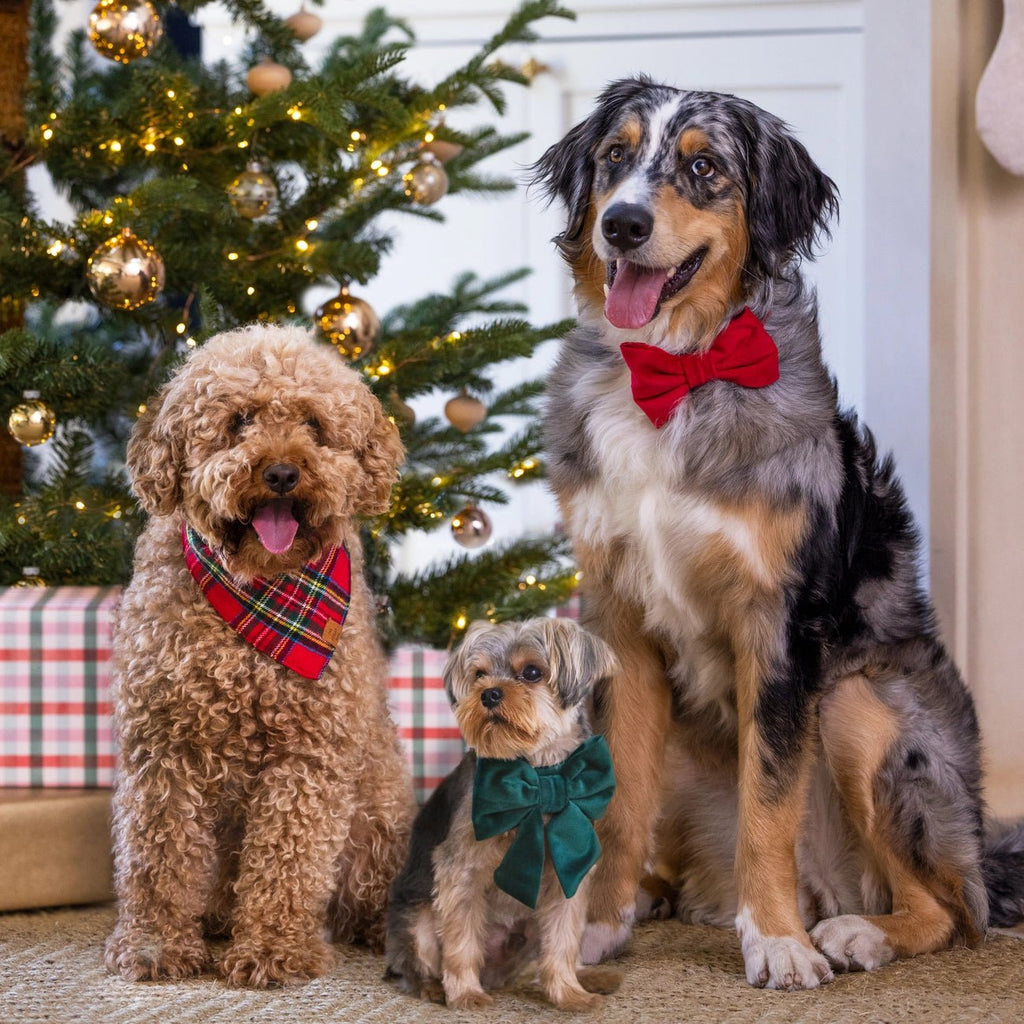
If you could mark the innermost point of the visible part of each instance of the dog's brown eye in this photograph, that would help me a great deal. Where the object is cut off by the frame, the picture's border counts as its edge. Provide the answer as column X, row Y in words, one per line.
column 480, row 673
column 615, row 154
column 318, row 431
column 531, row 674
column 239, row 422
column 702, row 167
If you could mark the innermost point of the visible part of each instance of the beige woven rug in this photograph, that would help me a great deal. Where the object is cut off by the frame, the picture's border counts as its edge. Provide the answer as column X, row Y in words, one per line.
column 51, row 970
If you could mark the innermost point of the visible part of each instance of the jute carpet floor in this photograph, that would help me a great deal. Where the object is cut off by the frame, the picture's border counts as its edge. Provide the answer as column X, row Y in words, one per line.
column 51, row 971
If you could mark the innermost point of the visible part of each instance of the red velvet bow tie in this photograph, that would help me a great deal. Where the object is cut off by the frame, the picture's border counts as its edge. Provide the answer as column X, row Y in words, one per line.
column 743, row 353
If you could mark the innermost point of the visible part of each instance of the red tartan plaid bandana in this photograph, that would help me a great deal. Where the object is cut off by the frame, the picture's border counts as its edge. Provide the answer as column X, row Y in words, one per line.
column 743, row 353
column 294, row 619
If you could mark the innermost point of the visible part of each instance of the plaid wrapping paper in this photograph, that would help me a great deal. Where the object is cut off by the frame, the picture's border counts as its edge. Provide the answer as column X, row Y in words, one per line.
column 55, row 715
column 426, row 723
column 55, row 709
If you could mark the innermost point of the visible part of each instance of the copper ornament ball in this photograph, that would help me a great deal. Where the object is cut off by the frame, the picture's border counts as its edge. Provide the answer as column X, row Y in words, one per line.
column 427, row 182
column 349, row 324
column 125, row 272
column 124, row 30
column 472, row 527
column 304, row 24
column 268, row 76
column 442, row 149
column 464, row 412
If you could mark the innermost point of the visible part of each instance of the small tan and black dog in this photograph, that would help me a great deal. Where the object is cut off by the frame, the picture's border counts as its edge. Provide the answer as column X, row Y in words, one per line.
column 500, row 858
column 262, row 790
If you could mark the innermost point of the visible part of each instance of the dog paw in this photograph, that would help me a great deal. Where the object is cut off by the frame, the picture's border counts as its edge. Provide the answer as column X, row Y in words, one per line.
column 604, row 980
column 246, row 965
column 151, row 958
column 602, row 941
column 851, row 943
column 784, row 963
column 779, row 961
column 577, row 1001
column 469, row 999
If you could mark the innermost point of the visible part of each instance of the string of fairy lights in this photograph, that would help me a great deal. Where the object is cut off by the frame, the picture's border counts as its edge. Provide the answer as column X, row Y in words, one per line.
column 126, row 272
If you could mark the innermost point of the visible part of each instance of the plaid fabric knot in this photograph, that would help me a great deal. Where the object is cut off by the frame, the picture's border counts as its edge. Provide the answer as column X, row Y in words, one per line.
column 295, row 619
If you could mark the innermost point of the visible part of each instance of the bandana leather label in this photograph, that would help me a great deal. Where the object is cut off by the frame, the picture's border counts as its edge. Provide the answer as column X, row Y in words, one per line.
column 743, row 353
column 295, row 619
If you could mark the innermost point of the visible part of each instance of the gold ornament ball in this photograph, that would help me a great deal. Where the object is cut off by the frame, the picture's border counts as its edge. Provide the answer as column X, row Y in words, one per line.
column 304, row 24
column 349, row 324
column 427, row 181
column 268, row 76
column 464, row 412
column 124, row 30
column 472, row 527
column 30, row 578
column 32, row 422
column 125, row 272
column 253, row 192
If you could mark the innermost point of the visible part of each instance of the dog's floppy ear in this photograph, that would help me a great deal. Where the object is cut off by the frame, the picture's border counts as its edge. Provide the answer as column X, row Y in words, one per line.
column 566, row 170
column 791, row 200
column 455, row 666
column 579, row 660
column 155, row 459
column 380, row 456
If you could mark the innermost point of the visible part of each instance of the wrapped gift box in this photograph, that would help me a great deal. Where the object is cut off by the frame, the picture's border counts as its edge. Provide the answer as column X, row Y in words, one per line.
column 55, row 716
column 54, row 847
column 433, row 743
column 55, row 711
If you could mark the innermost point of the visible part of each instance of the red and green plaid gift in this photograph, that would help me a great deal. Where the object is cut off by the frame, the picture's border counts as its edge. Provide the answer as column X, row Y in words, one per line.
column 55, row 714
column 430, row 735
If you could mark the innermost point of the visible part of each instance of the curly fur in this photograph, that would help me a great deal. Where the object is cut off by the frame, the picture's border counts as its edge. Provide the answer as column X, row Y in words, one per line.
column 251, row 800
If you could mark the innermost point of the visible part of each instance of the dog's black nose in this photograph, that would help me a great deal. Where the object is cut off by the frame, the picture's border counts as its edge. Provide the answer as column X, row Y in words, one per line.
column 627, row 225
column 491, row 698
column 281, row 477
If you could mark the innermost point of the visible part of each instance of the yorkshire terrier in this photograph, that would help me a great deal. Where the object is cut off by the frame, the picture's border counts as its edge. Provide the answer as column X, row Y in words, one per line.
column 500, row 857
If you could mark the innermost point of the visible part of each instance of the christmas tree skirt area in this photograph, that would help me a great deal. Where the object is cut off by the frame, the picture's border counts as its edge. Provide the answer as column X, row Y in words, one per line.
column 51, row 969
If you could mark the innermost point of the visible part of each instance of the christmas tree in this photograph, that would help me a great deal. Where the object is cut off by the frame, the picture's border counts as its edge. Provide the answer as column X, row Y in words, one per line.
column 206, row 197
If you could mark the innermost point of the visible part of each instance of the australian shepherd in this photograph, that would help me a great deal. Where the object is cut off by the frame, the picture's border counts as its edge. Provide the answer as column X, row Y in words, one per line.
column 795, row 750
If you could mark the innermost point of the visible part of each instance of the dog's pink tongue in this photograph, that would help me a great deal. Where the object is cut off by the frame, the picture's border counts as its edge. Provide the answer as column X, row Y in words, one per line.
column 275, row 525
column 633, row 296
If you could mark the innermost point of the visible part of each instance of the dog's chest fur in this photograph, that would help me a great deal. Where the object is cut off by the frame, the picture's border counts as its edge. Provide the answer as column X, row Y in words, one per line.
column 671, row 548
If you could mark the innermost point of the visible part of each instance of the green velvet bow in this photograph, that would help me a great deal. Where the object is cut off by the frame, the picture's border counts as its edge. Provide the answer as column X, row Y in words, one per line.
column 511, row 795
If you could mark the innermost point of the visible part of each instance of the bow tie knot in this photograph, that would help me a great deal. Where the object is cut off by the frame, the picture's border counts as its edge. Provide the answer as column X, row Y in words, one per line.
column 515, row 795
column 743, row 353
column 697, row 370
column 553, row 795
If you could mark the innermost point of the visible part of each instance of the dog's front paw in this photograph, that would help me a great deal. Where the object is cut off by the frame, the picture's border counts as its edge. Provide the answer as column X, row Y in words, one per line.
column 852, row 944
column 780, row 961
column 143, row 957
column 247, row 965
column 581, row 1001
column 469, row 999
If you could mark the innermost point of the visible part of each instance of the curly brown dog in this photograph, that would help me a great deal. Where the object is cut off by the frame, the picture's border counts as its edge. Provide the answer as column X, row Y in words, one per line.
column 255, row 799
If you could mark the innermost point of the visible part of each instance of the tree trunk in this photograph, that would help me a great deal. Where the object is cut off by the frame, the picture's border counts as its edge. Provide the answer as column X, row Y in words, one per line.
column 14, row 23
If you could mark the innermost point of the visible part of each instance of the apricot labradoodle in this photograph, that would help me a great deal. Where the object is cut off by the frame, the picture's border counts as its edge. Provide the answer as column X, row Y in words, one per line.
column 263, row 793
